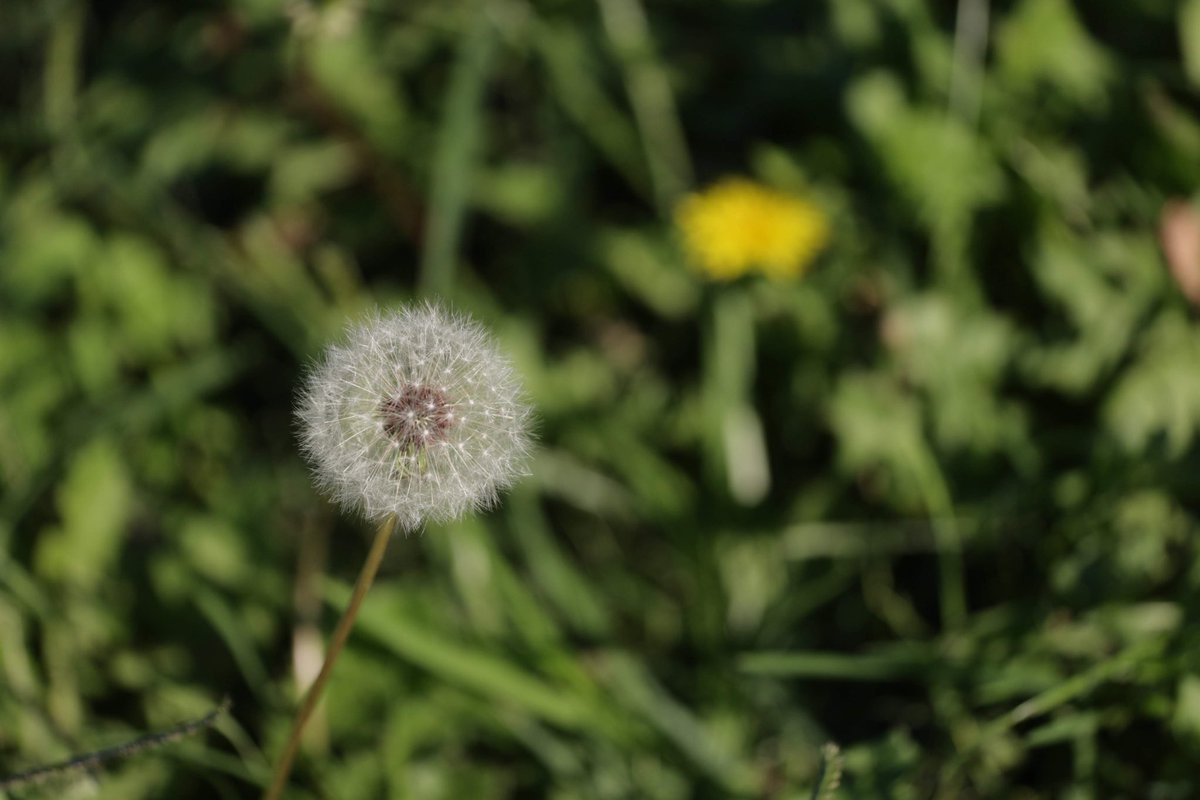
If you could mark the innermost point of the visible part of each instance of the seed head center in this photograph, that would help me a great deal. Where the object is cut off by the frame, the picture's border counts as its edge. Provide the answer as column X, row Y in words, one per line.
column 417, row 416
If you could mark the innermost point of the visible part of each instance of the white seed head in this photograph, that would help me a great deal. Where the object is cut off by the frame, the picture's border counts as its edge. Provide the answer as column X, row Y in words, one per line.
column 416, row 414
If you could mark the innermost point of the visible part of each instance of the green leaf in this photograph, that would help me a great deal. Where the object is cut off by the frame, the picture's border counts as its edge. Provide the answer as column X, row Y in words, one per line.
column 650, row 272
column 95, row 502
column 939, row 165
column 473, row 667
column 879, row 434
column 1159, row 395
column 958, row 355
column 349, row 71
column 1104, row 284
column 1043, row 42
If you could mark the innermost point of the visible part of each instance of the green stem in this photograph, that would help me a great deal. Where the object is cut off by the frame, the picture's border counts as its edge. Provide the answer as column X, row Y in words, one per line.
column 366, row 577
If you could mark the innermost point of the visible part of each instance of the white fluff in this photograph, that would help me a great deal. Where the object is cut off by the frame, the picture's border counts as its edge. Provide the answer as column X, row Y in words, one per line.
column 416, row 414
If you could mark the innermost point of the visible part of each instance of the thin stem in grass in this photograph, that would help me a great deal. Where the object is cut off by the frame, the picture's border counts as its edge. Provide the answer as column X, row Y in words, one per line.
column 99, row 758
column 366, row 577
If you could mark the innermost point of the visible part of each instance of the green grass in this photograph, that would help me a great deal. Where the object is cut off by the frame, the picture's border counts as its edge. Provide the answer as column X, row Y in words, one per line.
column 935, row 501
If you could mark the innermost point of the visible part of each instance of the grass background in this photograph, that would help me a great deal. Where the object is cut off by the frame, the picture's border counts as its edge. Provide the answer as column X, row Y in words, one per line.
column 936, row 501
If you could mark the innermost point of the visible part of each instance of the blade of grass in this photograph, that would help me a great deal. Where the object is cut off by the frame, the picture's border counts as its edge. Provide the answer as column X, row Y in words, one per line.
column 794, row 606
column 16, row 582
column 1058, row 696
column 459, row 136
column 476, row 669
column 1079, row 685
column 841, row 540
column 568, row 589
column 219, row 614
column 837, row 666
column 213, row 760
column 940, row 506
column 552, row 751
column 573, row 83
column 653, row 103
column 632, row 684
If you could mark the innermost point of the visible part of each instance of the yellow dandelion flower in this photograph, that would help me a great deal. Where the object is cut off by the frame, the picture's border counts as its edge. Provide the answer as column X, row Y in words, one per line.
column 737, row 225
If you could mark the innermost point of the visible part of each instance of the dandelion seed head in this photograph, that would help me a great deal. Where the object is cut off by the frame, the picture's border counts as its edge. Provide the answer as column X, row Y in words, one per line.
column 384, row 422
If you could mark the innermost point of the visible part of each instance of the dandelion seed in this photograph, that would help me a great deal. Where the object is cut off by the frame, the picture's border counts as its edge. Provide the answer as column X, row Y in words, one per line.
column 383, row 419
column 737, row 225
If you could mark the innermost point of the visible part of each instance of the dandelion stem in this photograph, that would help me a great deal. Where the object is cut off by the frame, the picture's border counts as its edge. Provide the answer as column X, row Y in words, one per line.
column 366, row 577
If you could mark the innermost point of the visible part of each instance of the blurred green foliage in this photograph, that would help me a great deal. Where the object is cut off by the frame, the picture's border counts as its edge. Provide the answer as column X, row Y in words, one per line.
column 937, row 501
